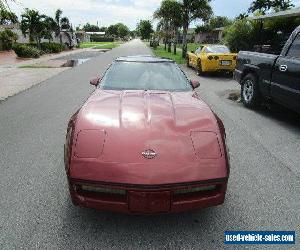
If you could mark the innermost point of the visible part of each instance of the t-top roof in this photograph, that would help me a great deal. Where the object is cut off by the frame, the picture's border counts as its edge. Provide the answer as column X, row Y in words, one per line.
column 143, row 58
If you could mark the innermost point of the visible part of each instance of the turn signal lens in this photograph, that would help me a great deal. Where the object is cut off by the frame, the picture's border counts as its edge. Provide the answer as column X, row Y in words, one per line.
column 102, row 190
column 195, row 189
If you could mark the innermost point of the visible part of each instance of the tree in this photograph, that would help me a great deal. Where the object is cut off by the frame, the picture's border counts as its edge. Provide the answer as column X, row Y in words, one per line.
column 145, row 29
column 192, row 10
column 112, row 30
column 123, row 30
column 61, row 23
column 240, row 35
column 7, row 38
column 32, row 24
column 213, row 23
column 65, row 23
column 103, row 29
column 90, row 28
column 169, row 13
column 49, row 27
column 242, row 16
column 219, row 21
column 7, row 17
column 263, row 6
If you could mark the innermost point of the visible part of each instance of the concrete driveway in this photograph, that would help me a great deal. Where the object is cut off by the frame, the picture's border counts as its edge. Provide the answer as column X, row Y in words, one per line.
column 36, row 213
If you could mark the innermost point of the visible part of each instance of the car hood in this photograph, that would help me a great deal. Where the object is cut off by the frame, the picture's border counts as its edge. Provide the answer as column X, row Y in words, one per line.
column 114, row 128
column 145, row 120
column 146, row 111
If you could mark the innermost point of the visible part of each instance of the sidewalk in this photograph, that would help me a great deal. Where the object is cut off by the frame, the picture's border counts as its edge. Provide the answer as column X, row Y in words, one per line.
column 14, row 79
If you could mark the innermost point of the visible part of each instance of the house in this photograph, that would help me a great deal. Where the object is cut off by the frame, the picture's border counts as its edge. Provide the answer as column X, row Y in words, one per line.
column 189, row 37
column 214, row 36
column 82, row 36
column 65, row 36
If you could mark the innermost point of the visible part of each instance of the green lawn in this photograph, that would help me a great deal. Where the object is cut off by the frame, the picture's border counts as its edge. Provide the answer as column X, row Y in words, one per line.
column 100, row 45
column 160, row 52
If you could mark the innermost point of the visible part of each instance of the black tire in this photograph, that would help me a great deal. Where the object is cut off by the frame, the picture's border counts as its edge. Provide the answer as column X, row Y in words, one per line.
column 250, row 93
column 199, row 68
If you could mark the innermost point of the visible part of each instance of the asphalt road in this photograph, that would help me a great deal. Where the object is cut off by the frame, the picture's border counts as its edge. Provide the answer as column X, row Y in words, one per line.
column 36, row 213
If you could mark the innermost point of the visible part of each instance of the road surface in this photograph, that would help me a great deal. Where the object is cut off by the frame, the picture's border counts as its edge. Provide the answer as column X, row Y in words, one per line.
column 36, row 212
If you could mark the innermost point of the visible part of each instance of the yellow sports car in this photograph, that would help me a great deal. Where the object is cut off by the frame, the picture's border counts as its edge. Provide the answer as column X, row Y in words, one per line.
column 212, row 58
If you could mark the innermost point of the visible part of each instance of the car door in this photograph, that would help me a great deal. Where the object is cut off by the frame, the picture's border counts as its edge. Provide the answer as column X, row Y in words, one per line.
column 285, row 85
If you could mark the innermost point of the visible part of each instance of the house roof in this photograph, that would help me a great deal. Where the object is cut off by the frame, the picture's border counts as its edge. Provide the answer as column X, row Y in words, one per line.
column 96, row 33
column 287, row 13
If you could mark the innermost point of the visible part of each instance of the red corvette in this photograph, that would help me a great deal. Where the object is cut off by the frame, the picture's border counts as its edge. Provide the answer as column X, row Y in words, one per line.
column 145, row 142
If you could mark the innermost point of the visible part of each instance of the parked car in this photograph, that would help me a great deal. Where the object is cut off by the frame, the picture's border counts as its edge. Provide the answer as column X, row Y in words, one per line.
column 154, row 42
column 145, row 142
column 271, row 77
column 212, row 58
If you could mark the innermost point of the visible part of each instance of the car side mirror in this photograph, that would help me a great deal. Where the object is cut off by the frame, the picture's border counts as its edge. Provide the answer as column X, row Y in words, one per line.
column 195, row 83
column 95, row 81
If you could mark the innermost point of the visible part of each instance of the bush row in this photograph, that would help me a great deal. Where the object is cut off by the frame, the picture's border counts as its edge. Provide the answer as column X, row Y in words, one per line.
column 52, row 47
column 26, row 51
column 97, row 38
column 30, row 50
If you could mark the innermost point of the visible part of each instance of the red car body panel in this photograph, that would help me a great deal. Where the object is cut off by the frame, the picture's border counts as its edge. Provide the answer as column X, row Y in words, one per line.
column 112, row 129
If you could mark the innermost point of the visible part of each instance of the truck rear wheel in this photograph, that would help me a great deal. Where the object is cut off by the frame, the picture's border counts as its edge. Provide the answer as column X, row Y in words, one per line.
column 250, row 94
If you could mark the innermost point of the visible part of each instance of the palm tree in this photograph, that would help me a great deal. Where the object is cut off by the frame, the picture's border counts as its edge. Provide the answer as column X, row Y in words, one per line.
column 192, row 10
column 61, row 23
column 32, row 24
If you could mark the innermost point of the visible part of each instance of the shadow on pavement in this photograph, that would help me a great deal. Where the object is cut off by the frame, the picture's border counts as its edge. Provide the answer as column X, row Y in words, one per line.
column 280, row 113
column 121, row 230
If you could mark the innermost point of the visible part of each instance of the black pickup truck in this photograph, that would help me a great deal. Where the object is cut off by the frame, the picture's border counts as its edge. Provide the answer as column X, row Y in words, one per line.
column 271, row 77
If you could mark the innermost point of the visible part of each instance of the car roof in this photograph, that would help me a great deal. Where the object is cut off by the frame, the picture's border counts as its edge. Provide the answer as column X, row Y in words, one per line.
column 143, row 58
column 211, row 45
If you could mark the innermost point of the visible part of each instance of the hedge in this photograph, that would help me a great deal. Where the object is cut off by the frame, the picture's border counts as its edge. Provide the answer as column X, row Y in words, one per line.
column 26, row 51
column 97, row 38
column 52, row 47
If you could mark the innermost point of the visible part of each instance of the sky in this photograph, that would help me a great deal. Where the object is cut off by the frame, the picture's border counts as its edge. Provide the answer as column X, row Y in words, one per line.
column 129, row 12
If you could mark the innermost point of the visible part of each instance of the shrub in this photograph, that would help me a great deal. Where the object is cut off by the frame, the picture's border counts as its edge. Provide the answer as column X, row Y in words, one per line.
column 52, row 47
column 7, row 38
column 97, row 38
column 239, row 35
column 26, row 51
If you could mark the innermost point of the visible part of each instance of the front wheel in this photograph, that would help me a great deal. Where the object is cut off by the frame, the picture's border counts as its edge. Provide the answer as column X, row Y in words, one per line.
column 250, row 94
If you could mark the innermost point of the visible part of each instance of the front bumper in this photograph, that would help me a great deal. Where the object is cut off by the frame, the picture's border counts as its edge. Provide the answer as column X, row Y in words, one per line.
column 139, row 199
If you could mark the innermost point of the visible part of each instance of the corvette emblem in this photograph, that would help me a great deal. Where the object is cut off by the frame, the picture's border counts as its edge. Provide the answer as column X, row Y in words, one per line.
column 149, row 154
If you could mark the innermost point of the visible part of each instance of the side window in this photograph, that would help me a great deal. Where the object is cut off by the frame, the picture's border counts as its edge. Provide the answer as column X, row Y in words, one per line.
column 206, row 50
column 198, row 51
column 294, row 50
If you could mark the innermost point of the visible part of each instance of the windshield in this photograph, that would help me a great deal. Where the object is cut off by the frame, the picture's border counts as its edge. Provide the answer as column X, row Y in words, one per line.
column 145, row 76
column 218, row 49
